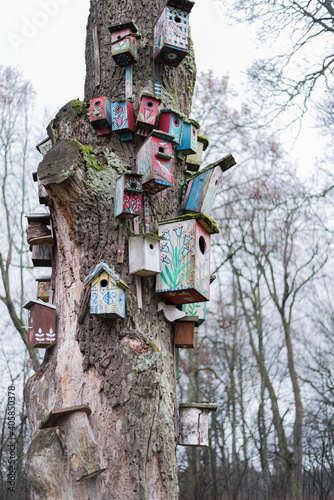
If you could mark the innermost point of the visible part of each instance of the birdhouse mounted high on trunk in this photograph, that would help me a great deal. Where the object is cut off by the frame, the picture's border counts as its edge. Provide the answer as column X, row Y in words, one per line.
column 122, row 119
column 100, row 115
column 128, row 195
column 144, row 254
column 171, row 123
column 124, row 43
column 41, row 324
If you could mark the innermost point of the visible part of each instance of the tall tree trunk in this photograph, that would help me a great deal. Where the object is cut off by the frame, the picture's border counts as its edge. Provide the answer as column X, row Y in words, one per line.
column 100, row 362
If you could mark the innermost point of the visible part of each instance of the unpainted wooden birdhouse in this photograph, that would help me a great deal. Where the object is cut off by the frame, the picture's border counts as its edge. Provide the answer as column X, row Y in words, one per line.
column 39, row 230
column 41, row 324
column 155, row 162
column 148, row 111
column 44, row 146
column 100, row 115
column 172, row 123
column 128, row 195
column 108, row 291
column 193, row 162
column 196, row 309
column 188, row 144
column 185, row 259
column 43, row 288
column 124, row 48
column 122, row 119
column 184, row 332
column 203, row 186
column 41, row 255
column 42, row 193
column 171, row 33
column 194, row 423
column 144, row 254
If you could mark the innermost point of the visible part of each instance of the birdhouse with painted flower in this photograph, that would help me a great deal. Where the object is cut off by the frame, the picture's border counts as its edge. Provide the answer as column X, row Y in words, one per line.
column 43, row 288
column 128, row 195
column 171, row 33
column 108, row 292
column 172, row 123
column 148, row 111
column 185, row 259
column 188, row 144
column 195, row 310
column 122, row 119
column 144, row 254
column 155, row 162
column 124, row 38
column 100, row 115
column 41, row 324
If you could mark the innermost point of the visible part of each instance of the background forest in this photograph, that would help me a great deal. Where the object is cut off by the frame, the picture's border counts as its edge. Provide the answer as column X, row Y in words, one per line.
column 265, row 351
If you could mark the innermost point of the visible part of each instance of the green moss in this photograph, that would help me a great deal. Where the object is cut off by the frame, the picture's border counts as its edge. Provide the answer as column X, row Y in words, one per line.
column 78, row 106
column 89, row 155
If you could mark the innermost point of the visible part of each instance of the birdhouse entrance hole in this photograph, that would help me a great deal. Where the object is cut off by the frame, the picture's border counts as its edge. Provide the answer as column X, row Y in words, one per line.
column 149, row 104
column 176, row 122
column 202, row 244
column 133, row 185
column 104, row 283
column 151, row 246
column 177, row 19
column 161, row 149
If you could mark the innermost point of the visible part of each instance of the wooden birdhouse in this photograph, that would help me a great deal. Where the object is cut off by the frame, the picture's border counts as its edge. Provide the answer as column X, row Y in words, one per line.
column 184, row 332
column 171, row 33
column 128, row 195
column 107, row 297
column 148, row 111
column 39, row 230
column 188, row 144
column 44, row 146
column 155, row 162
column 172, row 123
column 204, row 186
column 41, row 324
column 185, row 259
column 41, row 255
column 42, row 193
column 122, row 119
column 43, row 288
column 193, row 162
column 144, row 254
column 194, row 423
column 196, row 309
column 124, row 43
column 100, row 115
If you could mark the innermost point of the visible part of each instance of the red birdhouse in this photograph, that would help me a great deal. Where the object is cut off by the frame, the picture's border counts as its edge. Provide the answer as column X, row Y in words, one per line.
column 128, row 195
column 148, row 111
column 100, row 115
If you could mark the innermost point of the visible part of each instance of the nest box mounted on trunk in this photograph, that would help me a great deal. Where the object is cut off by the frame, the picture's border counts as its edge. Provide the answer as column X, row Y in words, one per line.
column 185, row 259
column 39, row 230
column 193, row 162
column 107, row 297
column 124, row 43
column 41, row 255
column 122, row 119
column 196, row 309
column 144, row 254
column 184, row 332
column 128, row 195
column 188, row 144
column 194, row 423
column 44, row 146
column 172, row 123
column 100, row 115
column 43, row 288
column 148, row 111
column 41, row 324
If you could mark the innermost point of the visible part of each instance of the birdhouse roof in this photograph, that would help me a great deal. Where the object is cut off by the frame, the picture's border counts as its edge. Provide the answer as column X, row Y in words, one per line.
column 153, row 236
column 171, row 110
column 204, row 140
column 43, row 217
column 30, row 303
column 124, row 25
column 200, row 404
column 224, row 163
column 43, row 278
column 161, row 135
column 181, row 4
column 209, row 224
column 150, row 95
column 103, row 266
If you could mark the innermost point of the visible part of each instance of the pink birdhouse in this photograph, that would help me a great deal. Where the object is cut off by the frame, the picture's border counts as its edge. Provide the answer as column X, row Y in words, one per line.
column 148, row 111
column 124, row 43
column 100, row 115
column 128, row 195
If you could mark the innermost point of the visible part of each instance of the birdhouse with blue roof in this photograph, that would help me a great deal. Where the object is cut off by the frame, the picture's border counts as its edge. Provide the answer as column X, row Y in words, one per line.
column 128, row 195
column 155, row 162
column 185, row 259
column 188, row 144
column 172, row 123
column 108, row 292
column 171, row 33
column 204, row 186
column 100, row 115
column 148, row 111
column 122, row 119
column 124, row 38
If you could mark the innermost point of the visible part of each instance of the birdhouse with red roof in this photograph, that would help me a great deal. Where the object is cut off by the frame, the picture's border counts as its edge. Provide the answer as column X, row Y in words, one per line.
column 100, row 115
column 122, row 119
column 128, row 195
column 155, row 162
column 172, row 123
column 41, row 324
column 124, row 38
column 148, row 111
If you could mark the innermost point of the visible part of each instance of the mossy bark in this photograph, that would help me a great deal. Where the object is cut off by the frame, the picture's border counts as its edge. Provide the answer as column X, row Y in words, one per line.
column 130, row 389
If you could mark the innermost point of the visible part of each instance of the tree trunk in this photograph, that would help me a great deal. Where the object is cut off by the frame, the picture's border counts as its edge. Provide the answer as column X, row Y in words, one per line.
column 101, row 362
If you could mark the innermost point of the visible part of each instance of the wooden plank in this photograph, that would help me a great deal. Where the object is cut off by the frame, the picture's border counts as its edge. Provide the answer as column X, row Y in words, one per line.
column 128, row 81
column 55, row 415
column 96, row 57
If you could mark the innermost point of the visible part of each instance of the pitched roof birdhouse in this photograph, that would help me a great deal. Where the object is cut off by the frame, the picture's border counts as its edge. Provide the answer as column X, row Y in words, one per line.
column 172, row 123
column 144, row 254
column 193, row 162
column 184, row 332
column 107, row 297
column 148, row 111
column 155, row 162
column 204, row 186
column 185, row 259
column 43, row 288
column 188, row 144
column 194, row 423
column 44, row 146
column 41, row 324
column 41, row 255
column 100, row 115
column 124, row 43
column 196, row 309
column 39, row 230
column 122, row 119
column 128, row 195
column 171, row 33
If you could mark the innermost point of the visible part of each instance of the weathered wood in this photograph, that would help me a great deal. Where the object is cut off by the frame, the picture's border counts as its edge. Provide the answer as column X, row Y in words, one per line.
column 184, row 333
column 39, row 234
column 59, row 164
column 194, row 422
column 54, row 416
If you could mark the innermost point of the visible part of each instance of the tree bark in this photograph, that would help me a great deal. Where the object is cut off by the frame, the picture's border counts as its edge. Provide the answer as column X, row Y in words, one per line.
column 97, row 362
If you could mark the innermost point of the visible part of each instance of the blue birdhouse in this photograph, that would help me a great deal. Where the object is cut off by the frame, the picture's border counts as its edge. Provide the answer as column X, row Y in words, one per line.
column 172, row 123
column 122, row 119
column 188, row 144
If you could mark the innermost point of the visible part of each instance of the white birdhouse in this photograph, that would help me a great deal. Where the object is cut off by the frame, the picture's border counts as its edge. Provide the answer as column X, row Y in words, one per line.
column 144, row 254
column 194, row 423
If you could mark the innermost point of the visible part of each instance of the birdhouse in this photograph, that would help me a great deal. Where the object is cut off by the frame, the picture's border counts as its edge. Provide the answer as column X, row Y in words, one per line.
column 185, row 259
column 124, row 43
column 41, row 255
column 193, row 162
column 107, row 297
column 155, row 162
column 204, row 185
column 148, row 111
column 100, row 115
column 184, row 332
column 172, row 123
column 122, row 119
column 39, row 230
column 144, row 254
column 43, row 288
column 42, row 193
column 171, row 33
column 41, row 324
column 188, row 144
column 44, row 146
column 196, row 309
column 128, row 195
column 194, row 423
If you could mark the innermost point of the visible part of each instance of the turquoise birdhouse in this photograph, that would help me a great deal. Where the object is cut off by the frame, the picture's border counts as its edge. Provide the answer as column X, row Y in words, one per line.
column 172, row 123
column 188, row 144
